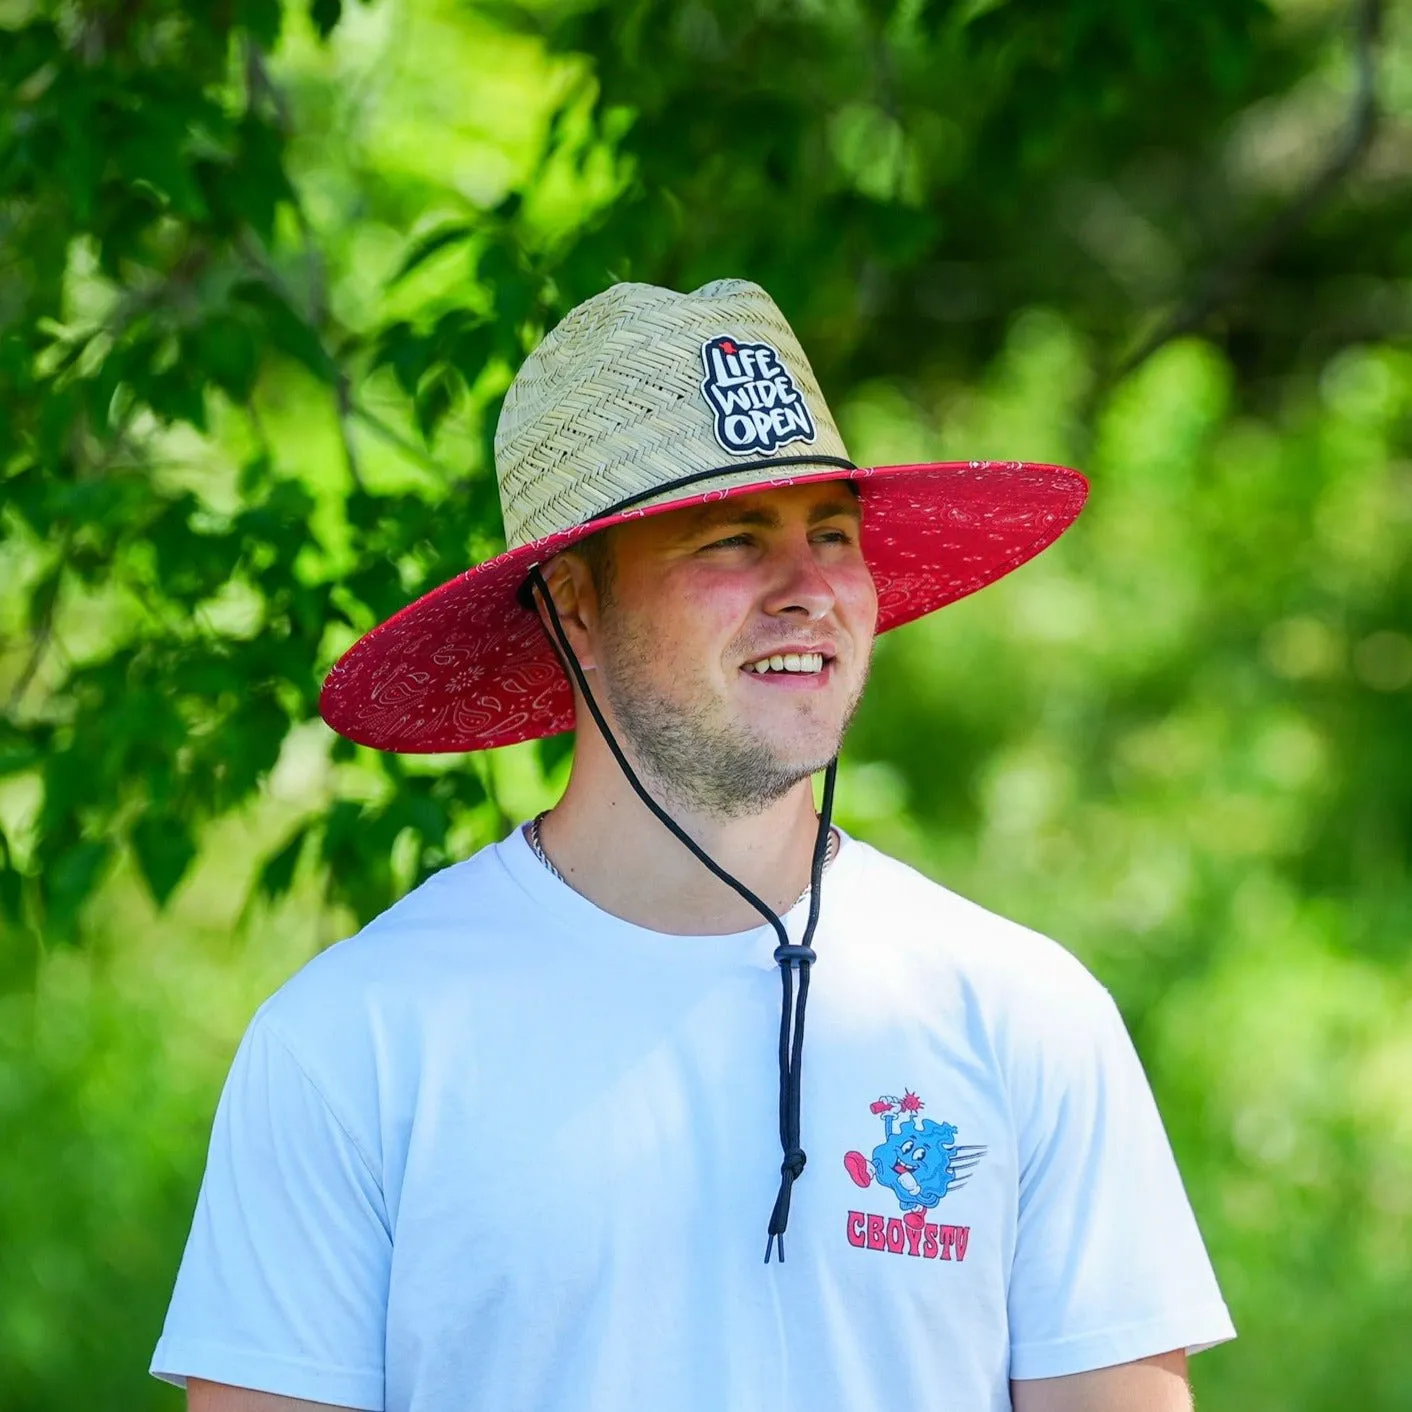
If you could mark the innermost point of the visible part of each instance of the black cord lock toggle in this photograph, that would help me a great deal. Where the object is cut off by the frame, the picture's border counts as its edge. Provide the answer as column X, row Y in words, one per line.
column 790, row 955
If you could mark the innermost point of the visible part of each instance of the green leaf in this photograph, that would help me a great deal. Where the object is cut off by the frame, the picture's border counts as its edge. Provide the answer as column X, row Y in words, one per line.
column 472, row 348
column 406, row 352
column 430, row 244
column 260, row 19
column 254, row 185
column 164, row 849
column 553, row 749
column 11, row 883
column 277, row 874
column 510, row 207
column 341, row 828
column 176, row 395
column 226, row 352
column 501, row 267
column 42, row 597
column 325, row 15
column 288, row 331
column 17, row 754
column 255, row 474
column 434, row 401
column 67, row 883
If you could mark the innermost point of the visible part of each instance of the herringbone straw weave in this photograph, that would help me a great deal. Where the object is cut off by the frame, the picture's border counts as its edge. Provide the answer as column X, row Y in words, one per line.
column 609, row 406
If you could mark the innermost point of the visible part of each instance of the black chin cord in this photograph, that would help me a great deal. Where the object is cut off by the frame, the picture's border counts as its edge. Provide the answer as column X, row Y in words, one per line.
column 789, row 957
column 792, row 1018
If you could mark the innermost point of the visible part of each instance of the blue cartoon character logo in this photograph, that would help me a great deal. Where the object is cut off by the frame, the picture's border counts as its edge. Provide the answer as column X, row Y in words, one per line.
column 918, row 1158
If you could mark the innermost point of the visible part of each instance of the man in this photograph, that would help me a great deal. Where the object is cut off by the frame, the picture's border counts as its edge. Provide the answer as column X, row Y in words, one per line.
column 521, row 1143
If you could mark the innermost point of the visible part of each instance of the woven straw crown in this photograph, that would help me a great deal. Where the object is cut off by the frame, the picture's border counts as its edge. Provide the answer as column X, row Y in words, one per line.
column 614, row 404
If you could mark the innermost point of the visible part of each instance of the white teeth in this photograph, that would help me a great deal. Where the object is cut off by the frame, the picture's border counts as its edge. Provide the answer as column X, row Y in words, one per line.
column 801, row 662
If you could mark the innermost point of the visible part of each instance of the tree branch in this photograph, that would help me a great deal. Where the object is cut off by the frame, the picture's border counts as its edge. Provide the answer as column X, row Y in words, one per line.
column 43, row 632
column 1219, row 285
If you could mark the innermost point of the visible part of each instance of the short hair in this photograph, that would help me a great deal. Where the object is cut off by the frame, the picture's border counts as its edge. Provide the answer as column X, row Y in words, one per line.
column 596, row 551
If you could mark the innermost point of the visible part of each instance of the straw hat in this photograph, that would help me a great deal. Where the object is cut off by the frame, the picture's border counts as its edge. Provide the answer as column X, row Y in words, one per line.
column 643, row 400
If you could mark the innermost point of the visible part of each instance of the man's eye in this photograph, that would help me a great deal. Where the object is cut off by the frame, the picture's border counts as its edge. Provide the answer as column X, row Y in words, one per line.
column 734, row 541
column 833, row 536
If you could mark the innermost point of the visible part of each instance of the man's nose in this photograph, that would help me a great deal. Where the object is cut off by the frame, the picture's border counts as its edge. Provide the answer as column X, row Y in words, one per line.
column 799, row 585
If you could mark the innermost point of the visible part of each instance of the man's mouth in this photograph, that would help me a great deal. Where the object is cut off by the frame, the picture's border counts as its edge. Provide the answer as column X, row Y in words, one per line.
column 796, row 663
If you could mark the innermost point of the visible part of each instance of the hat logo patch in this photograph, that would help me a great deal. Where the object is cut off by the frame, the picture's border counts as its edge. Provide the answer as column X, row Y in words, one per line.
column 756, row 404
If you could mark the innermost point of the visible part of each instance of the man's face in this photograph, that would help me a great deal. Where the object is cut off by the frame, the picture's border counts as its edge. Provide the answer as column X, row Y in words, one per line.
column 733, row 642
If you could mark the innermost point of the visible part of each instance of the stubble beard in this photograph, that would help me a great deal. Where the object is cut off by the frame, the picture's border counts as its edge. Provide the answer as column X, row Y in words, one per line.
column 695, row 760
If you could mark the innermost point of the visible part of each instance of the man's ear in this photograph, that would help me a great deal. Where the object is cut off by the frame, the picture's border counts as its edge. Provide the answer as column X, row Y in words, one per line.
column 570, row 585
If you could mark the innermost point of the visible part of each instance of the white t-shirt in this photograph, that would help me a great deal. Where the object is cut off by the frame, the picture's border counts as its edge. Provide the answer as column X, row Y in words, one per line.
column 503, row 1151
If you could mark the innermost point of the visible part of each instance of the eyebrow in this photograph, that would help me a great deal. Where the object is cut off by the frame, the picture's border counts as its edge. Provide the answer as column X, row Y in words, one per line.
column 721, row 514
column 827, row 509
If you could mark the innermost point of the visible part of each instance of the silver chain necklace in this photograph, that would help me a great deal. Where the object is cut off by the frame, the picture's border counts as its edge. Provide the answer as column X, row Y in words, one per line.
column 544, row 858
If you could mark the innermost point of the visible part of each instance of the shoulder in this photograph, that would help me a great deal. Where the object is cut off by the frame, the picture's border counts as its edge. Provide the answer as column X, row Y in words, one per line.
column 377, row 984
column 931, row 928
column 1021, row 999
column 1026, row 1003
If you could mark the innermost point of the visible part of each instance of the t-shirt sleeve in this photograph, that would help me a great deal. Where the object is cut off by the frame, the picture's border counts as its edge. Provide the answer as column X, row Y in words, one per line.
column 283, row 1285
column 1109, row 1264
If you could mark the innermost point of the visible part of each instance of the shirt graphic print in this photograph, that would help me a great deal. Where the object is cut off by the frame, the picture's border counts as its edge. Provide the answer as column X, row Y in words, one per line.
column 920, row 1162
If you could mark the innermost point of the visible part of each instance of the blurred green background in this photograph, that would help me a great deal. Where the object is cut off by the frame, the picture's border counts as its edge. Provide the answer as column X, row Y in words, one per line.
column 264, row 276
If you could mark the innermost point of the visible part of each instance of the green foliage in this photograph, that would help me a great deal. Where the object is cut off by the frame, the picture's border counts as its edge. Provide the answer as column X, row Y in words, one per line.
column 264, row 277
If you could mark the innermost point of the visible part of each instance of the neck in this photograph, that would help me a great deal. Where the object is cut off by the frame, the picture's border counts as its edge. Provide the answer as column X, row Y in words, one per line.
column 615, row 852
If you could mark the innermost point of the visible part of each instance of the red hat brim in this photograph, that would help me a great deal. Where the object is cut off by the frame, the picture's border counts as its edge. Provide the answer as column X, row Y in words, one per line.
column 468, row 666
